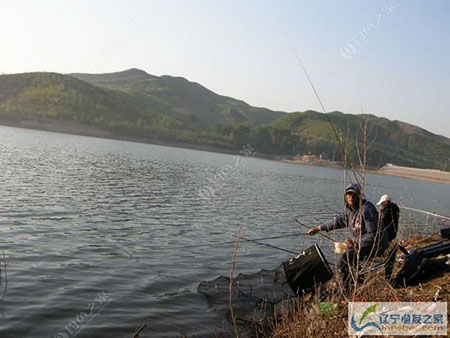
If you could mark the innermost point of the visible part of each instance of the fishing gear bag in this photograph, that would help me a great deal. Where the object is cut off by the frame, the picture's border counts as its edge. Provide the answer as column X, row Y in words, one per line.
column 307, row 270
column 445, row 233
column 421, row 263
column 412, row 270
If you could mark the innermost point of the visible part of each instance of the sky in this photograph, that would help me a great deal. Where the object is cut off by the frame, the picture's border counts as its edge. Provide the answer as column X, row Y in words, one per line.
column 387, row 58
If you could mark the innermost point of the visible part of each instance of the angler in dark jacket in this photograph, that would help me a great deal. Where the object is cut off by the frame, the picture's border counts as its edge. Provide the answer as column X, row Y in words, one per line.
column 389, row 216
column 362, row 217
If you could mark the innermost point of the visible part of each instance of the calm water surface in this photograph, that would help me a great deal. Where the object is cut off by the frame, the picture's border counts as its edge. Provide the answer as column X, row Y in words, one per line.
column 102, row 236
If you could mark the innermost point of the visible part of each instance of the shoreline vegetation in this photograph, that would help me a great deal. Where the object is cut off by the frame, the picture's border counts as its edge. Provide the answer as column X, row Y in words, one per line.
column 323, row 313
column 310, row 318
column 76, row 128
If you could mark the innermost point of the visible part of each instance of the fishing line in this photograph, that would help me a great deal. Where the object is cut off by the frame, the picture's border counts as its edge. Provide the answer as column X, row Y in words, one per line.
column 323, row 108
column 320, row 233
column 270, row 246
column 246, row 239
column 426, row 212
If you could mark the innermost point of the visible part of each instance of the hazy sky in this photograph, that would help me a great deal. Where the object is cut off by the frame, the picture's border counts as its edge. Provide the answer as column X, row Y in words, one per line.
column 388, row 58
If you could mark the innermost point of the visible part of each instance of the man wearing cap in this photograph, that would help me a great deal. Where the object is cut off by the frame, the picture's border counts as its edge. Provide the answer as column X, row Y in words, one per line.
column 389, row 215
column 362, row 217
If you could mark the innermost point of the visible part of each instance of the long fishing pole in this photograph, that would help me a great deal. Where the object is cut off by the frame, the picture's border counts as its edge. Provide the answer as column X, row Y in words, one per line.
column 320, row 233
column 344, row 152
column 268, row 245
column 426, row 212
column 230, row 242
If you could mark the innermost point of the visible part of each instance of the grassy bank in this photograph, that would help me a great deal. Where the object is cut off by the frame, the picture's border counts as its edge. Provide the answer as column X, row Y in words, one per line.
column 307, row 317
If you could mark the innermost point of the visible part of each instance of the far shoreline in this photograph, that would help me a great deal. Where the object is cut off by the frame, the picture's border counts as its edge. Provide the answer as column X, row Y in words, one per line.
column 74, row 128
column 424, row 175
column 428, row 175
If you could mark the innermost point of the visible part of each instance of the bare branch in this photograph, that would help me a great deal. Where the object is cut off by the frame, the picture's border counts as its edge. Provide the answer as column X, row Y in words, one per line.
column 233, row 318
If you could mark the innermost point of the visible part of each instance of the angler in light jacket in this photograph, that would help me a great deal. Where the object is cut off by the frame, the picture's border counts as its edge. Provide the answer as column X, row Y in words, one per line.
column 369, row 238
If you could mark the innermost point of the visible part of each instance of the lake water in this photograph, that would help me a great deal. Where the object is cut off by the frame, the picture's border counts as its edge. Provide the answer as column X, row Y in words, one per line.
column 102, row 236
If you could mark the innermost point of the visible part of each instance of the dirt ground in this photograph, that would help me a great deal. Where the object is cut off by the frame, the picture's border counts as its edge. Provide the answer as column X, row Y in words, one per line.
column 430, row 175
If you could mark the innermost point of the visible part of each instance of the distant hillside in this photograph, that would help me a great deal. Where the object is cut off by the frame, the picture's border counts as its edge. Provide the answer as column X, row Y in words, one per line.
column 58, row 96
column 178, row 98
column 134, row 104
column 62, row 103
column 392, row 141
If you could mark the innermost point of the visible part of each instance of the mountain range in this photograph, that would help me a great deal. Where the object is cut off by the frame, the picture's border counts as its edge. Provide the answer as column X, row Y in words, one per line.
column 137, row 105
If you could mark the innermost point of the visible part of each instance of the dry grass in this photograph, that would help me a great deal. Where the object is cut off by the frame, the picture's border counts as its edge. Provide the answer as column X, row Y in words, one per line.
column 306, row 319
column 306, row 316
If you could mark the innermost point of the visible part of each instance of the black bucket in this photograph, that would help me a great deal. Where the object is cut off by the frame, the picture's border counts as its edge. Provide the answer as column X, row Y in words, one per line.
column 307, row 270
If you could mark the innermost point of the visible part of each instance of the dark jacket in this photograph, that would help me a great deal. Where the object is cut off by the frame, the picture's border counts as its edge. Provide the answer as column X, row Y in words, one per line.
column 371, row 234
column 389, row 216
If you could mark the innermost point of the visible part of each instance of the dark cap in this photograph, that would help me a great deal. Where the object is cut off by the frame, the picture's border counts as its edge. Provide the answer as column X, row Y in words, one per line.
column 353, row 188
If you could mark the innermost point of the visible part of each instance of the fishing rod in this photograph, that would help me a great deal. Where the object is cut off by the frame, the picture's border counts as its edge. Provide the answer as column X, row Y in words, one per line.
column 254, row 240
column 316, row 93
column 270, row 246
column 320, row 233
column 281, row 249
column 426, row 212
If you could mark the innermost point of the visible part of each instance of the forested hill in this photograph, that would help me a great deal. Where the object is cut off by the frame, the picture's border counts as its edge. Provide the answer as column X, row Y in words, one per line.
column 176, row 97
column 389, row 141
column 135, row 104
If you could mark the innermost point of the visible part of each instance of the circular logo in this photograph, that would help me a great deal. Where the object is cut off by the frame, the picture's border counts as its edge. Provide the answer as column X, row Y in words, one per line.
column 348, row 51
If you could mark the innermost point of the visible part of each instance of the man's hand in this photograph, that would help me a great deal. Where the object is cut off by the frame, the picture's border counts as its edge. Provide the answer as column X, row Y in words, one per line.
column 350, row 243
column 313, row 231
